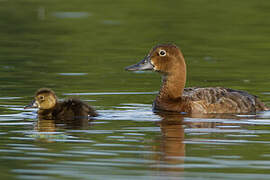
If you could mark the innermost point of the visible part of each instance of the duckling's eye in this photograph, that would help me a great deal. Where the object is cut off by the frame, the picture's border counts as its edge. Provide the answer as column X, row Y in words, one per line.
column 162, row 53
column 41, row 97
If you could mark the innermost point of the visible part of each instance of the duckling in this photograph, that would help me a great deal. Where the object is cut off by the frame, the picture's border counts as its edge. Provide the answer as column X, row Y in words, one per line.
column 50, row 108
column 168, row 60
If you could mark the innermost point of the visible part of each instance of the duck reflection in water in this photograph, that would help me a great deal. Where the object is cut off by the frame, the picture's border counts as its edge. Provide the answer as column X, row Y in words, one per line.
column 51, row 125
column 48, row 130
column 172, row 145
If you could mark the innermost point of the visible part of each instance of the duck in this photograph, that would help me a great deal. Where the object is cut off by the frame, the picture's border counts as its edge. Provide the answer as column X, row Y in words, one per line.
column 49, row 107
column 168, row 60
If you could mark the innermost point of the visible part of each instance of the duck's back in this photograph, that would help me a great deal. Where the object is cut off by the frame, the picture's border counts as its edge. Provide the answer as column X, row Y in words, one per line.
column 221, row 100
column 74, row 108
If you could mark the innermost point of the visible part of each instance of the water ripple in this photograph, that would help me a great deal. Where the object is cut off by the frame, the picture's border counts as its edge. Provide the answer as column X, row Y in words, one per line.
column 109, row 93
column 71, row 14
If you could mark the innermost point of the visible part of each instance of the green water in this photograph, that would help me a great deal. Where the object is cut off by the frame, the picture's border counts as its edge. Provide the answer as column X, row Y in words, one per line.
column 80, row 48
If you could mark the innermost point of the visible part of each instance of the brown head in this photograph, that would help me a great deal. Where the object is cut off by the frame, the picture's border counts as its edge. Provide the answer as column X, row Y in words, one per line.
column 168, row 60
column 44, row 99
column 164, row 58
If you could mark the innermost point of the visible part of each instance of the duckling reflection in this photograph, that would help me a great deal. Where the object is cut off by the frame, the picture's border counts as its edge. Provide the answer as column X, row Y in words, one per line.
column 45, row 125
column 45, row 131
column 50, row 130
column 52, row 125
column 50, row 108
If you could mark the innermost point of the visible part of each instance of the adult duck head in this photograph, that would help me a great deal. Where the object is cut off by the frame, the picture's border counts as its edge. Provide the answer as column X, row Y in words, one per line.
column 165, row 58
column 168, row 60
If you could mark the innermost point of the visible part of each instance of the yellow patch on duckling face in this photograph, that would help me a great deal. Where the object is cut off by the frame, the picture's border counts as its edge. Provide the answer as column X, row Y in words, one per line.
column 36, row 104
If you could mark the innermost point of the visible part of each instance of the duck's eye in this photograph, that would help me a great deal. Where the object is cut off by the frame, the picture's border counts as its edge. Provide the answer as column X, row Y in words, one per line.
column 41, row 97
column 162, row 53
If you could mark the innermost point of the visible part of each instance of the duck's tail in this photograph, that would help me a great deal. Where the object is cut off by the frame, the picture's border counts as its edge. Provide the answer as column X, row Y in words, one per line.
column 260, row 106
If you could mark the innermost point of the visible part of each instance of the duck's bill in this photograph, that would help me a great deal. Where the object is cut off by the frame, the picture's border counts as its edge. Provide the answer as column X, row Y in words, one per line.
column 145, row 64
column 33, row 104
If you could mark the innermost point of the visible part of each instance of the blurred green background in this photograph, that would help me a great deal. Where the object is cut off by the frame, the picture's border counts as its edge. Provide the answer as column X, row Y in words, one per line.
column 225, row 43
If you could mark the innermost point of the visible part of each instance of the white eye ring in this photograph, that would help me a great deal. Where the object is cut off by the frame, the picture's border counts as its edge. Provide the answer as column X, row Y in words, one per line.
column 162, row 52
column 41, row 97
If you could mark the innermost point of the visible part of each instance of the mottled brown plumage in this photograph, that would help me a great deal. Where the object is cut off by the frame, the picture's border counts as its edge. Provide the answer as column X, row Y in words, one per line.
column 51, row 108
column 169, row 61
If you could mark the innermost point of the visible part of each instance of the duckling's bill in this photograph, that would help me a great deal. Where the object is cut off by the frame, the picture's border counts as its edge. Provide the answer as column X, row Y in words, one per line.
column 145, row 64
column 33, row 104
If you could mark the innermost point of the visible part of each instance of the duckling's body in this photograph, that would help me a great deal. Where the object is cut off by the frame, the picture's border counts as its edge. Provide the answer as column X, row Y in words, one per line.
column 51, row 108
column 173, row 96
column 68, row 109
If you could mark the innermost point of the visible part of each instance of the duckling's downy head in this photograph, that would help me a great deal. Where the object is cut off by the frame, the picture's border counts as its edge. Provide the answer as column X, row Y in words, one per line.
column 44, row 99
column 164, row 58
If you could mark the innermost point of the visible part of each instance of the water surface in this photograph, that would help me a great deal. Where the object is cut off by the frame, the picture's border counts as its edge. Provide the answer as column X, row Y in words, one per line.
column 81, row 48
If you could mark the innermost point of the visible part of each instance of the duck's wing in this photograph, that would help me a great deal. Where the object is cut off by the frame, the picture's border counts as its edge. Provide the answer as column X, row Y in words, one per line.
column 216, row 98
